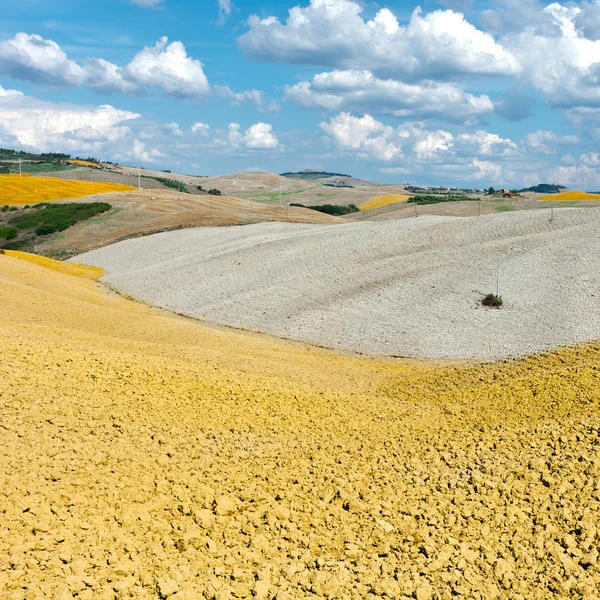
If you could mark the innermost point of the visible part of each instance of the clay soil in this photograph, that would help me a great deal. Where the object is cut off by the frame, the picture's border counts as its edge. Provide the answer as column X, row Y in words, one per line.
column 147, row 456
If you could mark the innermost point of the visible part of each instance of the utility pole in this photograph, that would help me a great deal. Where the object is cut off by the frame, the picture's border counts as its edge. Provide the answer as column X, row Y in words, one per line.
column 139, row 178
column 498, row 279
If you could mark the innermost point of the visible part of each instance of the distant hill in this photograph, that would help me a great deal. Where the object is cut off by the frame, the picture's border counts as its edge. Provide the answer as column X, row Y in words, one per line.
column 310, row 174
column 545, row 188
column 13, row 161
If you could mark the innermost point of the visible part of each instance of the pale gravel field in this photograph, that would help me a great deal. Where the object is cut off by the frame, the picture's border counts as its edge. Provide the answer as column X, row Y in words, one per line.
column 406, row 288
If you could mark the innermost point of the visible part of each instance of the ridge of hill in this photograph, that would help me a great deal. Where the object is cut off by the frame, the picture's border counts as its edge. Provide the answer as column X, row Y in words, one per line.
column 312, row 174
column 545, row 188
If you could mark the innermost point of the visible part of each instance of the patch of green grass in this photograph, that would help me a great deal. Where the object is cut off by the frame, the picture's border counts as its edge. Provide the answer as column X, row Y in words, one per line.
column 44, row 167
column 271, row 197
column 57, row 217
column 503, row 208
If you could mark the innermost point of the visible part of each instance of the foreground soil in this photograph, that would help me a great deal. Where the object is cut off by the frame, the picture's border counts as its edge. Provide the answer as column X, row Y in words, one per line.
column 148, row 456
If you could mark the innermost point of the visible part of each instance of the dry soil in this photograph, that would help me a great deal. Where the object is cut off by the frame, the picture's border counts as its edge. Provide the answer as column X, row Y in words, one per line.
column 148, row 456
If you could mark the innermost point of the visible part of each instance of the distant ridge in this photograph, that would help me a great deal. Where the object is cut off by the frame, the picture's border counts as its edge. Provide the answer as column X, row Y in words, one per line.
column 311, row 174
column 545, row 188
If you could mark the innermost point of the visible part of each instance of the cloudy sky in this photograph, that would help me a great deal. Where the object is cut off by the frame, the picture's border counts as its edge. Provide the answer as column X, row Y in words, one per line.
column 455, row 92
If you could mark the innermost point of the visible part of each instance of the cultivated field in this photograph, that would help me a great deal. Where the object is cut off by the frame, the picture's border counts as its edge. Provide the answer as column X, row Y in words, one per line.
column 485, row 206
column 407, row 287
column 572, row 195
column 30, row 190
column 84, row 163
column 147, row 456
column 139, row 213
column 384, row 200
column 98, row 176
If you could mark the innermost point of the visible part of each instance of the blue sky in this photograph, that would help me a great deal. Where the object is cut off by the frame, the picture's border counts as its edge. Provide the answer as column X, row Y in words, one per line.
column 454, row 92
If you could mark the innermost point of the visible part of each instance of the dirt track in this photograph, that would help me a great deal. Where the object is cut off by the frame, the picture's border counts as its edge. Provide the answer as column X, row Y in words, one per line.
column 147, row 456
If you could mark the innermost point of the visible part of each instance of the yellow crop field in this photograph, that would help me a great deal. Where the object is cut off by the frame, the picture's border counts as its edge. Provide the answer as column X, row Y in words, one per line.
column 30, row 190
column 83, row 163
column 384, row 200
column 158, row 456
column 75, row 270
column 573, row 195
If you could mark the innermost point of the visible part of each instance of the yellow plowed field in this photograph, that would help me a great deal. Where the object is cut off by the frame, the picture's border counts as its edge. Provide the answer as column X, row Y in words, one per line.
column 148, row 456
column 30, row 190
column 83, row 271
column 383, row 201
column 573, row 195
column 84, row 163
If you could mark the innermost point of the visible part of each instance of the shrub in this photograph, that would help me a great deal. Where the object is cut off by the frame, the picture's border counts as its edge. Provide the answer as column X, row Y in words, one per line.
column 200, row 188
column 492, row 300
column 171, row 183
column 331, row 209
column 58, row 217
column 9, row 233
column 5, row 208
column 17, row 245
column 215, row 192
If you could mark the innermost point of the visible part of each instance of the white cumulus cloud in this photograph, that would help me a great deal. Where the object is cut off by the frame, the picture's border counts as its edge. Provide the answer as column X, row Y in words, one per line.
column 32, row 58
column 138, row 151
column 413, row 141
column 105, row 77
column 257, row 137
column 547, row 142
column 164, row 66
column 168, row 67
column 557, row 59
column 173, row 129
column 200, row 128
column 48, row 126
column 437, row 45
column 255, row 97
column 361, row 91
